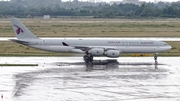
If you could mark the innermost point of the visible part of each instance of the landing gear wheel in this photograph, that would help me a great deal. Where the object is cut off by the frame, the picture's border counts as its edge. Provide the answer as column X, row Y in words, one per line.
column 84, row 57
column 155, row 57
column 91, row 58
column 88, row 58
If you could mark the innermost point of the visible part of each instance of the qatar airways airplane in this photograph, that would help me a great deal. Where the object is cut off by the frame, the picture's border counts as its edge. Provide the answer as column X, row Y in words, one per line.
column 90, row 47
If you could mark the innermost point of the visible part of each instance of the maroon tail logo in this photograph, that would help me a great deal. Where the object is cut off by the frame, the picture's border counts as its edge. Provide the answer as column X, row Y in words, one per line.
column 19, row 30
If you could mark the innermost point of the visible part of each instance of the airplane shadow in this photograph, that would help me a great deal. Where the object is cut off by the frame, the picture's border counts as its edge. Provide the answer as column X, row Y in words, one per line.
column 110, row 64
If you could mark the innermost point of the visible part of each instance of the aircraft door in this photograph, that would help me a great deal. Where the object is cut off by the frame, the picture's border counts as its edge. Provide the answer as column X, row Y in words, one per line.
column 80, row 42
column 127, row 45
column 41, row 42
column 157, row 46
column 123, row 43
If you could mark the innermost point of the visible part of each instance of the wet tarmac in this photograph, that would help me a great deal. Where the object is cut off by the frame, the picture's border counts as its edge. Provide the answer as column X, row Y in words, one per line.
column 71, row 79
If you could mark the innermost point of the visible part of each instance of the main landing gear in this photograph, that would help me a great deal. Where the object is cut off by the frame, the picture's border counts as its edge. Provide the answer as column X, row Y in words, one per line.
column 88, row 57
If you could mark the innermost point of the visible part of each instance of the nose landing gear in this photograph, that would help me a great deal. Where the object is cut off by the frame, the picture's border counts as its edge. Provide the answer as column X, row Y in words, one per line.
column 155, row 56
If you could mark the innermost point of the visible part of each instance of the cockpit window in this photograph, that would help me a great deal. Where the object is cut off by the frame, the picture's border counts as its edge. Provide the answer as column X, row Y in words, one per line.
column 163, row 44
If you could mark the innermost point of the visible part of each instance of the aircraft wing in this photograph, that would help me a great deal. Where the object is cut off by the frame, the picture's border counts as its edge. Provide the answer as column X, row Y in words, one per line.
column 86, row 48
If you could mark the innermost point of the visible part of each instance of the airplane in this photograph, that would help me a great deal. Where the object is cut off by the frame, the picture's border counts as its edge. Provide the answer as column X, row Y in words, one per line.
column 111, row 48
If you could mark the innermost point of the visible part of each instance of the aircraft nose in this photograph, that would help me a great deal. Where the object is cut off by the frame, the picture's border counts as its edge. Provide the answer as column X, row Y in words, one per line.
column 169, row 47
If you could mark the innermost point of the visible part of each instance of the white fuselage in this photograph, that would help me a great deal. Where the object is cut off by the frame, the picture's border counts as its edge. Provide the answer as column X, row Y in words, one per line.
column 77, row 45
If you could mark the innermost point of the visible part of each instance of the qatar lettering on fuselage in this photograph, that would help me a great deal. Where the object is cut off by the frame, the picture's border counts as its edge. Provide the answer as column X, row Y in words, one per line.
column 132, row 42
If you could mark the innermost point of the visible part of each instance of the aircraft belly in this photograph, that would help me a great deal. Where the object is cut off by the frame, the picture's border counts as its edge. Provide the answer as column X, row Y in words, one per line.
column 138, row 49
column 77, row 51
column 161, row 49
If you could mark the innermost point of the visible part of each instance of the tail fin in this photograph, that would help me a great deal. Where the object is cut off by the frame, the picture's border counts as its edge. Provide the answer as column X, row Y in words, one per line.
column 20, row 30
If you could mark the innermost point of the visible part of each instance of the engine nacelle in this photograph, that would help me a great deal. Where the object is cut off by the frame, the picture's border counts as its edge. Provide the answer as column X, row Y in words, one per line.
column 112, row 53
column 96, row 51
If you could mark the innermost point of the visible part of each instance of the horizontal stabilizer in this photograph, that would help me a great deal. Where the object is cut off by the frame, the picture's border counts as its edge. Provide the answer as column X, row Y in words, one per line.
column 19, row 41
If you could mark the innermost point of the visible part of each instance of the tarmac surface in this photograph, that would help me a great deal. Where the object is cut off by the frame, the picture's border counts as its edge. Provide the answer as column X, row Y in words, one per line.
column 71, row 79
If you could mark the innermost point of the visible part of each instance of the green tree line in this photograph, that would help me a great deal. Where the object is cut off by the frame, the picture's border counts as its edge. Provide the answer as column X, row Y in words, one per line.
column 100, row 11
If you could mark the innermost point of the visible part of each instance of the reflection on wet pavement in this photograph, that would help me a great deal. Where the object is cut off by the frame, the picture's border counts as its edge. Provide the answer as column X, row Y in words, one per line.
column 126, row 78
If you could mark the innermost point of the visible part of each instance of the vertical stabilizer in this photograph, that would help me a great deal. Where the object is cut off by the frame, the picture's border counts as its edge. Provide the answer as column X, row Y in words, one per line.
column 20, row 30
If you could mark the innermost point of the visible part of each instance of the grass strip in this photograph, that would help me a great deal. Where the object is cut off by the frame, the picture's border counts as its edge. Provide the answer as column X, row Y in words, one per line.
column 97, row 27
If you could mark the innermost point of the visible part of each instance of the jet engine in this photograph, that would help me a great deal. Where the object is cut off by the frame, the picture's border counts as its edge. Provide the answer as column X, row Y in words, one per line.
column 112, row 53
column 96, row 51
